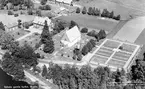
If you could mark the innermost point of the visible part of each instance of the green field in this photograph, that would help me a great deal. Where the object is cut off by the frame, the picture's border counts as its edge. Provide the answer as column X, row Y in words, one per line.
column 92, row 22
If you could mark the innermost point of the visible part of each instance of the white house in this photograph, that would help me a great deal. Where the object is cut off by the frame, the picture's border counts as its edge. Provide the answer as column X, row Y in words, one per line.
column 71, row 36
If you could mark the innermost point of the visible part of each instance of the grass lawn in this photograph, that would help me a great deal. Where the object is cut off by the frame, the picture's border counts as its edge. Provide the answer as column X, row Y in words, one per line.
column 31, row 40
column 18, row 33
column 90, row 21
column 124, row 10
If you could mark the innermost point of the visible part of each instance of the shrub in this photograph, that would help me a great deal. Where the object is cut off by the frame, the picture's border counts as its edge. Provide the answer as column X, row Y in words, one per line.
column 16, row 15
column 78, row 10
column 10, row 13
column 84, row 30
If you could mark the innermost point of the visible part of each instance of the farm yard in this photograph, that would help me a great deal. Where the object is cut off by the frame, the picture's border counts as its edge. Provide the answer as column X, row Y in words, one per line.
column 91, row 22
column 114, row 53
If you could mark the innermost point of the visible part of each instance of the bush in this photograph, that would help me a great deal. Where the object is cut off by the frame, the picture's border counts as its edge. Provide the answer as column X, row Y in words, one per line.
column 10, row 13
column 84, row 30
column 78, row 10
column 16, row 15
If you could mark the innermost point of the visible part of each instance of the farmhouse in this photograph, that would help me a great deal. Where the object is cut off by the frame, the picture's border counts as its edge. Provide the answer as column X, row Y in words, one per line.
column 71, row 37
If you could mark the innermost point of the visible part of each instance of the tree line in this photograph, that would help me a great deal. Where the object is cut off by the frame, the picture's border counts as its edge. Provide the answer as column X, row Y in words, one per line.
column 96, row 12
column 72, row 77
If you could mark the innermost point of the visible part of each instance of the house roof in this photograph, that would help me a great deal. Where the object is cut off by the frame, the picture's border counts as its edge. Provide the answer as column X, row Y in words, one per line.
column 72, row 33
column 41, row 20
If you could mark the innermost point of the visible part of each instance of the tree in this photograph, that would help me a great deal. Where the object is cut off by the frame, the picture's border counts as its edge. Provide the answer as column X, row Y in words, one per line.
column 19, row 23
column 84, row 11
column 90, row 11
column 101, row 34
column 72, row 24
column 30, row 12
column 105, row 13
column 93, row 11
column 118, row 17
column 43, row 2
column 97, row 12
column 44, row 71
column 92, row 33
column 93, row 42
column 85, row 50
column 90, row 46
column 50, row 15
column 45, row 35
column 11, row 67
column 111, row 15
column 84, row 30
column 38, row 12
column 10, row 13
column 49, row 47
column 28, row 3
column 78, row 10
column 47, row 7
column 2, row 26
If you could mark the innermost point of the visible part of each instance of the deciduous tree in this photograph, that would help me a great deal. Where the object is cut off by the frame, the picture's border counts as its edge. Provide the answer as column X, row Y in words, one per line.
column 44, row 71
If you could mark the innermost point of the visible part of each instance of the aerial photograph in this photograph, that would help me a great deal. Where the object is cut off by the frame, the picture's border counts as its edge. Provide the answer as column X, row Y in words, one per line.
column 72, row 44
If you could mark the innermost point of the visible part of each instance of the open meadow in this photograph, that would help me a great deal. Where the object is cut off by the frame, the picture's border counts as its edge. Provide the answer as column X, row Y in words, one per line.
column 91, row 21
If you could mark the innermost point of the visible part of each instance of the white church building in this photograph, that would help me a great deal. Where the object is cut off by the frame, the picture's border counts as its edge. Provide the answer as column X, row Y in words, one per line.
column 71, row 37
